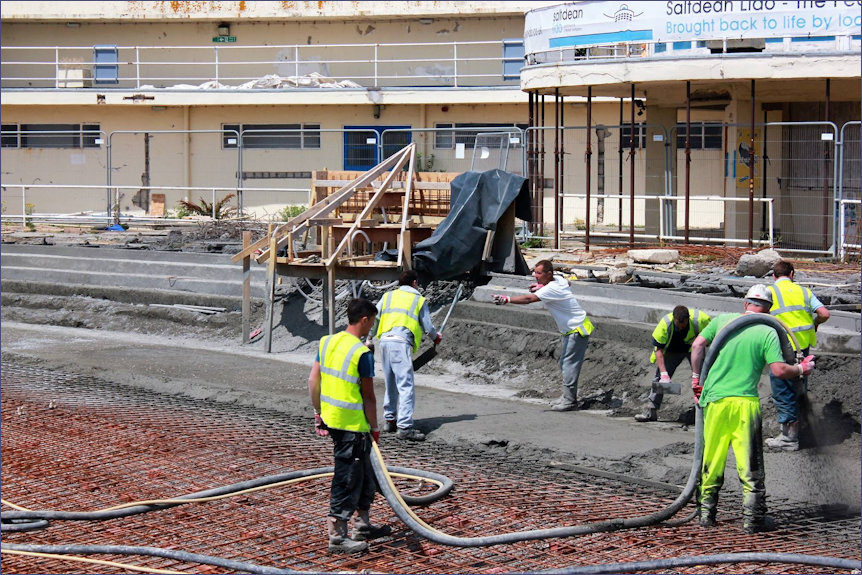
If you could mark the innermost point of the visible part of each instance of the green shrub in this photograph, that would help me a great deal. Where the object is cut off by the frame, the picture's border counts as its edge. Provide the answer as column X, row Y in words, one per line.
column 289, row 212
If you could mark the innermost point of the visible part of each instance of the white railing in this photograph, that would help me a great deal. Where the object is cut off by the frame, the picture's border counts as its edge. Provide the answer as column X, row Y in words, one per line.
column 639, row 50
column 446, row 64
column 113, row 194
column 662, row 234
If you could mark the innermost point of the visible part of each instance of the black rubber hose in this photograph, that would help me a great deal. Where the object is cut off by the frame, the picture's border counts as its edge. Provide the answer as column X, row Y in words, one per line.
column 719, row 559
column 610, row 525
column 174, row 554
column 13, row 520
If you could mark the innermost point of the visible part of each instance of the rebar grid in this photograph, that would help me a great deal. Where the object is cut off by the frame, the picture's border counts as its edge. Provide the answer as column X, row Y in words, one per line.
column 76, row 443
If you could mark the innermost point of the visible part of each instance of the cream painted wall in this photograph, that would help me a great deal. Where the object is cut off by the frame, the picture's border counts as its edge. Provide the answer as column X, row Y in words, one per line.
column 153, row 44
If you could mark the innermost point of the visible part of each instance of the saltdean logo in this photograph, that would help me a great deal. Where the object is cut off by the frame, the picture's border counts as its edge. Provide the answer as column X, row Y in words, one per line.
column 567, row 14
column 623, row 14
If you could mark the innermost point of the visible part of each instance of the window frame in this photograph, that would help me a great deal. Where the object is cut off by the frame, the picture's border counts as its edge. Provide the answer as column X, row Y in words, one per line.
column 73, row 136
column 704, row 135
column 307, row 135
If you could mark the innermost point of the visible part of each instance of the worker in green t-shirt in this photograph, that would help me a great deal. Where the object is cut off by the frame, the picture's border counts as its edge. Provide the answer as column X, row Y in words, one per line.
column 731, row 407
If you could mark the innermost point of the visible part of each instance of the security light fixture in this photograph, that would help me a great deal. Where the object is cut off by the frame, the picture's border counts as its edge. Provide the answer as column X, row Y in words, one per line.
column 224, row 29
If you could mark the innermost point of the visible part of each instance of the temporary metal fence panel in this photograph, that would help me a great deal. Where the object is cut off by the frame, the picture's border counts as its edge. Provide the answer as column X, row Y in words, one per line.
column 150, row 158
column 850, row 188
column 461, row 150
column 610, row 177
column 801, row 167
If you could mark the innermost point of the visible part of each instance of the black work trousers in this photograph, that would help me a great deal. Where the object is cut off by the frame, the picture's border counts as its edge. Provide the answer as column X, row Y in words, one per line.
column 353, row 483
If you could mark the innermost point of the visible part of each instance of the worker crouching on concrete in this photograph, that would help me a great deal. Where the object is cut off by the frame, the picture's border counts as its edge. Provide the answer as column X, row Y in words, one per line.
column 404, row 317
column 341, row 386
column 731, row 408
column 802, row 312
column 572, row 321
column 671, row 340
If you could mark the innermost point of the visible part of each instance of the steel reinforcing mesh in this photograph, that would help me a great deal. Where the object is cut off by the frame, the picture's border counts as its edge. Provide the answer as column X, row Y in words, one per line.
column 76, row 443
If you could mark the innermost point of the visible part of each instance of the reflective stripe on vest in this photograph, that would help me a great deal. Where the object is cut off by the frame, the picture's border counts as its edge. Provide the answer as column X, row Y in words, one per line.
column 400, row 308
column 790, row 303
column 584, row 328
column 340, row 397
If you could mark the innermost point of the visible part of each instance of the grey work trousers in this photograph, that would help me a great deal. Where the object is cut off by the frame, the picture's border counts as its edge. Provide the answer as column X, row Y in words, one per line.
column 571, row 360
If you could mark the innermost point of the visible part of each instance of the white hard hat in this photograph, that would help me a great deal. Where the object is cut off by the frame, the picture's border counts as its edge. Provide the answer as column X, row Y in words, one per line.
column 759, row 294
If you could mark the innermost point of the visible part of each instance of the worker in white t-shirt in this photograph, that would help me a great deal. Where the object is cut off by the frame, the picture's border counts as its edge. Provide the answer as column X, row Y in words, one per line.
column 572, row 321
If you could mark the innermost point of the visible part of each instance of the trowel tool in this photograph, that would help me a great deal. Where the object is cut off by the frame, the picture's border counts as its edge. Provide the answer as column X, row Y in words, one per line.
column 431, row 352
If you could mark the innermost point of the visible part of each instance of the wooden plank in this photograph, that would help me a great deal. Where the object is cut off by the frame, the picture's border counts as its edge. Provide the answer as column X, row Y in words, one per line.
column 400, row 158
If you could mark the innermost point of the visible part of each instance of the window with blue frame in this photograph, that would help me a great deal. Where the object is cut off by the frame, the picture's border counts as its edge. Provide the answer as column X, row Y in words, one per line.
column 362, row 144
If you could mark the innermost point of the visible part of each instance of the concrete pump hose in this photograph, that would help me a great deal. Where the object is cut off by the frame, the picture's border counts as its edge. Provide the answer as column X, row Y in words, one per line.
column 719, row 559
column 413, row 521
column 24, row 520
column 232, row 566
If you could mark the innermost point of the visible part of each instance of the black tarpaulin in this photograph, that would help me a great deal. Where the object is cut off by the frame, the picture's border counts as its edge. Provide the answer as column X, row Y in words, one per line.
column 481, row 202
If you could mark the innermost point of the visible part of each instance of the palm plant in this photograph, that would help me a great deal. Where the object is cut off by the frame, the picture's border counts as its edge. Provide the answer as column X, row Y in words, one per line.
column 220, row 210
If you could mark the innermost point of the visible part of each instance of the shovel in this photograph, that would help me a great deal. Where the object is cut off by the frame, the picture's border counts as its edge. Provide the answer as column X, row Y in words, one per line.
column 431, row 352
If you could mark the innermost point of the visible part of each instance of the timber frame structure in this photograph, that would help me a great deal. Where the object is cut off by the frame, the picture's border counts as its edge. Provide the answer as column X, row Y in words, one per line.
column 381, row 199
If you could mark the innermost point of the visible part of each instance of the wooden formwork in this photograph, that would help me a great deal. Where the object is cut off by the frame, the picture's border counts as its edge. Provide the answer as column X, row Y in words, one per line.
column 353, row 215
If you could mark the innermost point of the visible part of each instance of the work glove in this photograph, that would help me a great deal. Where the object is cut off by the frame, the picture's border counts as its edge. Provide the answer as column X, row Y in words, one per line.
column 696, row 387
column 500, row 299
column 665, row 378
column 535, row 287
column 439, row 338
column 807, row 365
column 375, row 435
column 320, row 427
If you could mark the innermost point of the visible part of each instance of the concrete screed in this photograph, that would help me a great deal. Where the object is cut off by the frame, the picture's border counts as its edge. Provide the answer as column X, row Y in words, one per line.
column 491, row 385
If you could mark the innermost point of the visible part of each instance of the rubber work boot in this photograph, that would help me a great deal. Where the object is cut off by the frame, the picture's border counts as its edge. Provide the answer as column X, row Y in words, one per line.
column 389, row 426
column 410, row 434
column 788, row 439
column 758, row 525
column 649, row 414
column 706, row 513
column 339, row 542
column 363, row 530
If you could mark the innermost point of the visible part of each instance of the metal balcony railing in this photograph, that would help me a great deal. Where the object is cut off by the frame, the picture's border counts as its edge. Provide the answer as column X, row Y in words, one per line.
column 446, row 64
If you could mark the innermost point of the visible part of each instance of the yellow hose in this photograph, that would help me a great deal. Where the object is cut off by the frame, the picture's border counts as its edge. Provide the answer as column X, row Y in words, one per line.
column 88, row 560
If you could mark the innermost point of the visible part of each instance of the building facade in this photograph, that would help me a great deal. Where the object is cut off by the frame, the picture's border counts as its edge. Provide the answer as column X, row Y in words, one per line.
column 112, row 105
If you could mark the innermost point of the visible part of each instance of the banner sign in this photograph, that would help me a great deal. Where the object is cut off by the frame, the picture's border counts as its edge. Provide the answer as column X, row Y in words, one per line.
column 585, row 24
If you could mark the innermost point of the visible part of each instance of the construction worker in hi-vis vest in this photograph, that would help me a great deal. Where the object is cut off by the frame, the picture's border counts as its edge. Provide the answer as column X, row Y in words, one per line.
column 341, row 386
column 800, row 310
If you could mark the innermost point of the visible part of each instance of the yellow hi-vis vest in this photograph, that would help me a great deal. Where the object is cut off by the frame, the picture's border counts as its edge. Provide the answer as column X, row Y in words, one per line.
column 340, row 397
column 790, row 303
column 697, row 320
column 400, row 308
